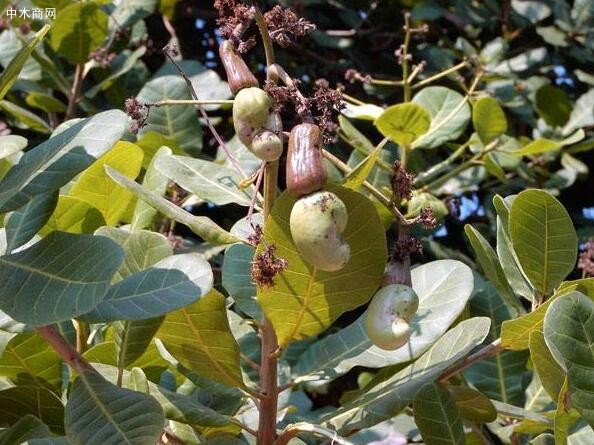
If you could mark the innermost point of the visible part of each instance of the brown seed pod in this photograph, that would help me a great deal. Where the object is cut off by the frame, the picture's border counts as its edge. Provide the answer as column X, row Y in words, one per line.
column 306, row 172
column 239, row 75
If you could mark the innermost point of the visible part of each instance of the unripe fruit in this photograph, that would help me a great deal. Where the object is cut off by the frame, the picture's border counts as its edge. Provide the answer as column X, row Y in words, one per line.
column 267, row 146
column 251, row 109
column 239, row 75
column 317, row 222
column 306, row 172
column 387, row 320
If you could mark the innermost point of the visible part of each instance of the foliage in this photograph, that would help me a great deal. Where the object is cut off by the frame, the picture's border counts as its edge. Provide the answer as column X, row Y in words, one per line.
column 151, row 289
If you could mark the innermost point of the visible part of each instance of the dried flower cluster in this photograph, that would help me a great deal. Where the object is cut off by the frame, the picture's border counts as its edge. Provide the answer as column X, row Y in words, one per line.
column 404, row 248
column 328, row 103
column 255, row 237
column 232, row 14
column 138, row 113
column 285, row 26
column 586, row 259
column 266, row 266
column 427, row 218
column 401, row 182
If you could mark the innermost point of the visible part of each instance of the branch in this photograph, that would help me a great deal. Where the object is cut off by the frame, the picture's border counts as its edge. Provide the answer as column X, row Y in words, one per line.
column 482, row 354
column 64, row 349
column 202, row 111
column 75, row 90
column 168, row 102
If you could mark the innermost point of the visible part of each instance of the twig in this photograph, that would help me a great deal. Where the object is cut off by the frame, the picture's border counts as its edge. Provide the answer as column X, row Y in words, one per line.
column 293, row 431
column 404, row 47
column 167, row 102
column 266, row 40
column 259, row 177
column 211, row 127
column 488, row 351
column 64, row 349
column 252, row 364
column 387, row 202
column 439, row 75
column 75, row 90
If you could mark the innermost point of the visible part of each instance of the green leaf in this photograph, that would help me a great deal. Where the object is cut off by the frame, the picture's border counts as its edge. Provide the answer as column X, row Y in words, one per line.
column 303, row 302
column 207, row 180
column 56, row 161
column 11, row 72
column 581, row 115
column 60, row 277
column 100, row 413
column 73, row 215
column 515, row 334
column 566, row 416
column 543, row 238
column 550, row 373
column 502, row 377
column 28, row 427
column 544, row 438
column 186, row 409
column 154, row 181
column 19, row 401
column 403, row 123
column 355, row 179
column 200, row 338
column 472, row 404
column 170, row 284
column 98, row 189
column 508, row 258
column 368, row 112
column 237, row 278
column 132, row 339
column 45, row 102
column 78, row 30
column 437, row 416
column 443, row 288
column 24, row 223
column 25, row 119
column 553, row 105
column 177, row 123
column 151, row 142
column 488, row 119
column 131, row 60
column 491, row 265
column 543, row 145
column 568, row 328
column 354, row 137
column 11, row 144
column 200, row 225
column 449, row 112
column 387, row 399
column 142, row 249
column 30, row 360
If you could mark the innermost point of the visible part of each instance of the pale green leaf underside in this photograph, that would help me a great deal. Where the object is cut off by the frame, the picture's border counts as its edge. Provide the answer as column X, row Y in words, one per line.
column 56, row 161
column 200, row 225
column 443, row 287
column 389, row 397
